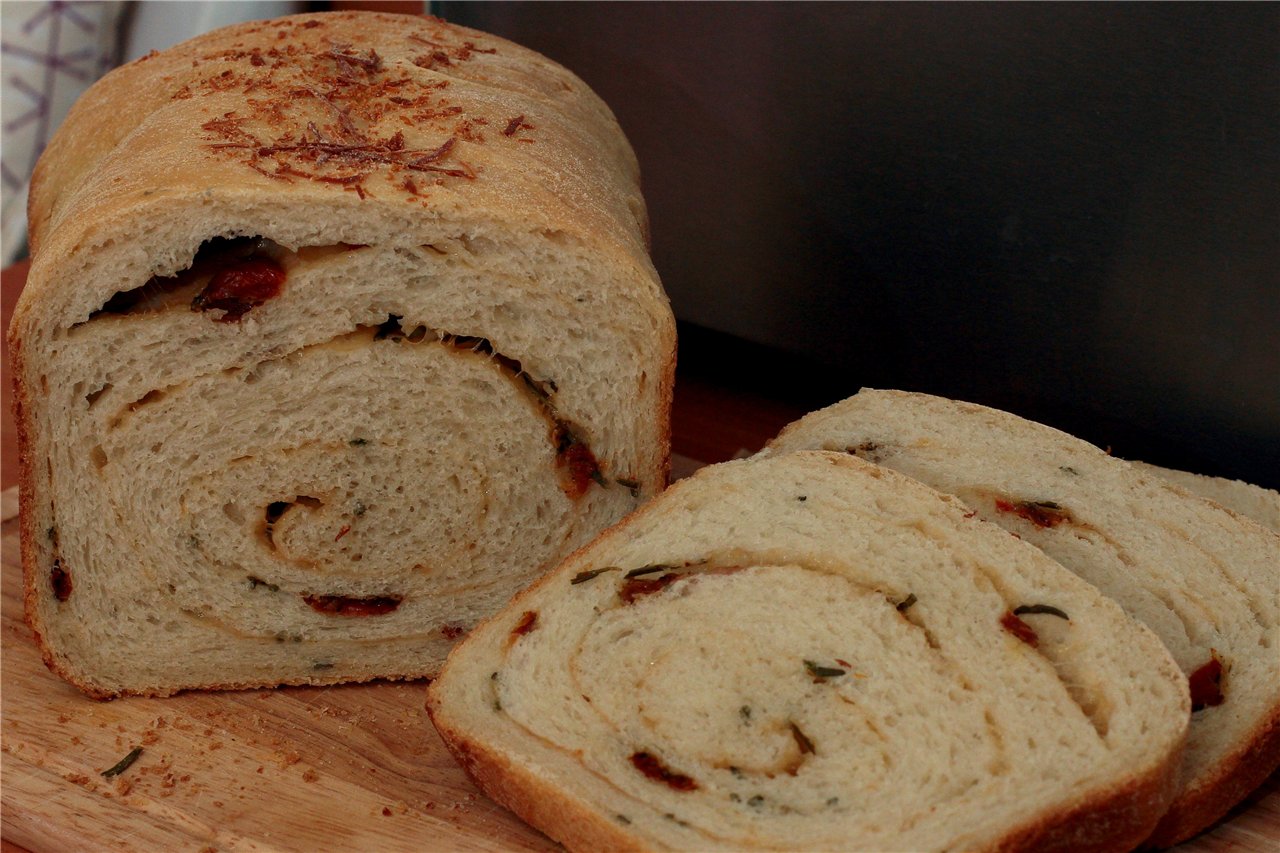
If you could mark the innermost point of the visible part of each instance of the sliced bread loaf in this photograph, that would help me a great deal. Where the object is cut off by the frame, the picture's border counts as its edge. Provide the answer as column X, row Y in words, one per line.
column 340, row 329
column 810, row 652
column 1205, row 579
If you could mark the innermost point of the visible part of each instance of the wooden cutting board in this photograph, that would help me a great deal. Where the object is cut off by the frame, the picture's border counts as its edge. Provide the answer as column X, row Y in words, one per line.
column 356, row 767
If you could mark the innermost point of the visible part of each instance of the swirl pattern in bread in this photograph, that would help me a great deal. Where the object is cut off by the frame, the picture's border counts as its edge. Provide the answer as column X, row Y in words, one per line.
column 339, row 330
column 1205, row 579
column 812, row 653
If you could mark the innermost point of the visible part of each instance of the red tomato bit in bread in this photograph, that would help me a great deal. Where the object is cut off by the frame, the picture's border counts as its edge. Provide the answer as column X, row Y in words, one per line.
column 60, row 579
column 633, row 588
column 1039, row 513
column 659, row 772
column 1206, row 684
column 1019, row 629
column 341, row 605
column 527, row 623
column 239, row 287
column 578, row 465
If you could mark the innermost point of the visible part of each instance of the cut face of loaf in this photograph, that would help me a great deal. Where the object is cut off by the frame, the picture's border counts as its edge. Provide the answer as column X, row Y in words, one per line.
column 1203, row 578
column 324, row 355
column 1255, row 502
column 812, row 653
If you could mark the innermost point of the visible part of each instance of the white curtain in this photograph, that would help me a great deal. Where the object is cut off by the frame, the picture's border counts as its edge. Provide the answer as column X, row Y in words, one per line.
column 51, row 52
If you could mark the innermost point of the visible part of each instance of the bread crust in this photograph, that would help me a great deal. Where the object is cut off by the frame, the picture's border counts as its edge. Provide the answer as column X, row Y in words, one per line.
column 1195, row 811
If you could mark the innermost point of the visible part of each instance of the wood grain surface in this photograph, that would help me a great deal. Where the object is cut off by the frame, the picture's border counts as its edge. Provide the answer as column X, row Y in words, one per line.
column 356, row 767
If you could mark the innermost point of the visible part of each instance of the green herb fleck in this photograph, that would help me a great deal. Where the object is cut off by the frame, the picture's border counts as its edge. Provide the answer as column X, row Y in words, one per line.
column 736, row 771
column 756, row 802
column 255, row 582
column 322, row 664
column 359, row 509
column 621, row 818
column 1067, row 469
column 648, row 570
column 582, row 577
column 834, row 801
column 358, row 442
column 123, row 764
column 821, row 672
column 802, row 498
column 802, row 740
column 630, row 485
column 52, row 534
column 734, row 798
column 1040, row 608
column 905, row 604
column 745, row 713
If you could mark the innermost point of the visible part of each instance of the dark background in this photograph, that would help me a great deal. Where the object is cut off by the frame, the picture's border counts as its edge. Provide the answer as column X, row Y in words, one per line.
column 1069, row 211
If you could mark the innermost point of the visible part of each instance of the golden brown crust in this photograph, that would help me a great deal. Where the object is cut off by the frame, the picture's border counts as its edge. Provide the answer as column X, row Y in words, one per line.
column 344, row 108
column 1247, row 768
column 569, row 821
column 1116, row 820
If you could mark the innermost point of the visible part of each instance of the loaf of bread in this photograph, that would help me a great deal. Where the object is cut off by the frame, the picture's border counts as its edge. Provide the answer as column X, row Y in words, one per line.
column 812, row 653
column 340, row 329
column 1205, row 579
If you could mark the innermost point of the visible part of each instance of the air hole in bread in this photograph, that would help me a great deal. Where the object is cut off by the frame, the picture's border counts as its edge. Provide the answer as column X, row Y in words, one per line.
column 93, row 396
column 214, row 256
column 276, row 510
column 99, row 457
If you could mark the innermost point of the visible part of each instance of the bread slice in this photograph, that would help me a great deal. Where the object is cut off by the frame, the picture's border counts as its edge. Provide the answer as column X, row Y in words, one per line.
column 813, row 653
column 340, row 329
column 1262, row 505
column 1205, row 579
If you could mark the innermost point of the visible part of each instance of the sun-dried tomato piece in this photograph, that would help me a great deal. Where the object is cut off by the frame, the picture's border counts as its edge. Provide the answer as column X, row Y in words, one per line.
column 342, row 605
column 578, row 465
column 633, row 588
column 1206, row 684
column 60, row 580
column 652, row 767
column 1019, row 629
column 527, row 623
column 1039, row 513
column 239, row 287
